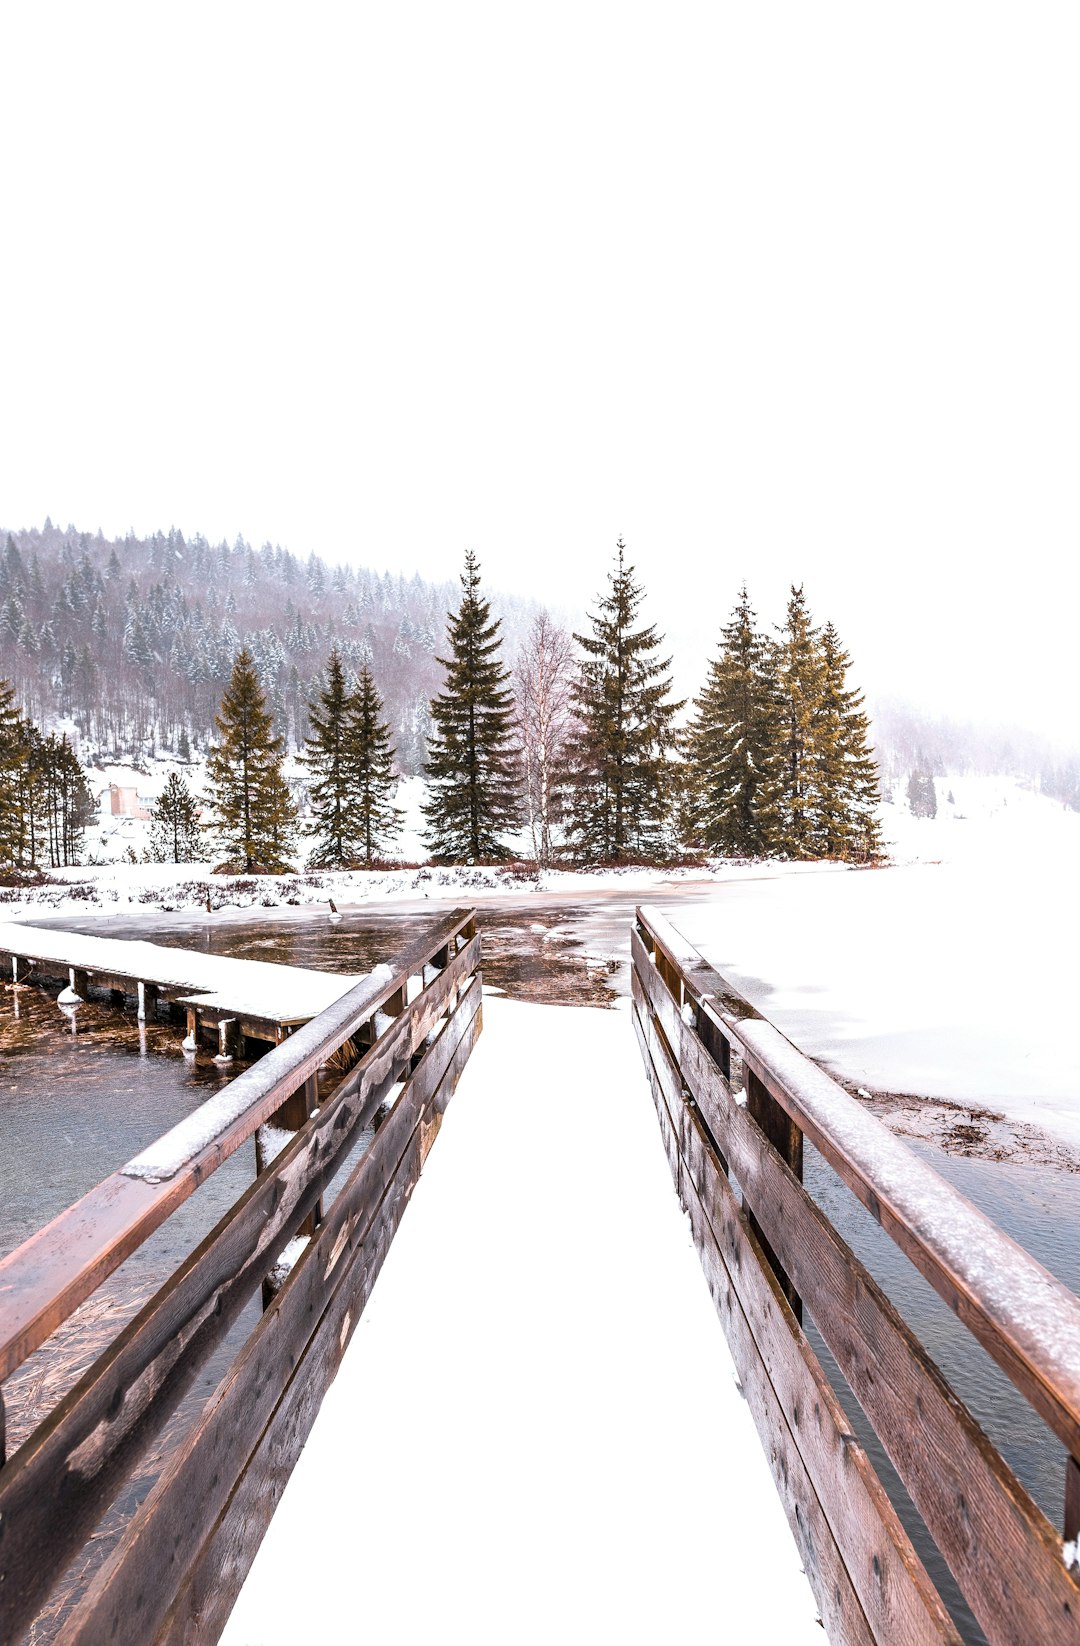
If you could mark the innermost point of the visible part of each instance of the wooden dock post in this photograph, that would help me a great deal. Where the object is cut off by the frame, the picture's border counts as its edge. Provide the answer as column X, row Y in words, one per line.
column 148, row 999
column 228, row 1039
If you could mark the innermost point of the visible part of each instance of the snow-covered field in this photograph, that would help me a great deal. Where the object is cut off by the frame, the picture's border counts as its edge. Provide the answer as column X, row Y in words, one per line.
column 538, row 1414
column 953, row 974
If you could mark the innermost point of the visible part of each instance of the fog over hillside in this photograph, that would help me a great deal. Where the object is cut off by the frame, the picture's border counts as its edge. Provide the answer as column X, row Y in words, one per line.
column 130, row 641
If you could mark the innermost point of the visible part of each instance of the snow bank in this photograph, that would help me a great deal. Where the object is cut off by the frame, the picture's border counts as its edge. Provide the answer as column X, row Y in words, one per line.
column 540, row 1382
column 951, row 980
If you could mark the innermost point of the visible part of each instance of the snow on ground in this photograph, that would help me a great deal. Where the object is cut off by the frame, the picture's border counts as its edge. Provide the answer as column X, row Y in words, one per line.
column 953, row 978
column 980, row 819
column 536, row 1433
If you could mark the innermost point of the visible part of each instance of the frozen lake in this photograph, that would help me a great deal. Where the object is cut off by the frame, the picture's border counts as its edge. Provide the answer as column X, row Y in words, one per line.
column 949, row 980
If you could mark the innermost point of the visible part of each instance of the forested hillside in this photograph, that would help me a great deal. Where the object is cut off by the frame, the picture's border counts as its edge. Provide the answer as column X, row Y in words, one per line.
column 133, row 639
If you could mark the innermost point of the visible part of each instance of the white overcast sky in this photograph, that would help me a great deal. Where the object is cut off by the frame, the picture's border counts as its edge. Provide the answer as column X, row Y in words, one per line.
column 775, row 291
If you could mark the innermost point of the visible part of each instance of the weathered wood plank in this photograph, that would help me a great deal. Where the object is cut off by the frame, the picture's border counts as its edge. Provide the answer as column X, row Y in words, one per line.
column 131, row 1597
column 894, row 1590
column 842, row 1615
column 1025, row 1318
column 46, row 1278
column 216, row 1576
column 67, row 1472
column 1004, row 1553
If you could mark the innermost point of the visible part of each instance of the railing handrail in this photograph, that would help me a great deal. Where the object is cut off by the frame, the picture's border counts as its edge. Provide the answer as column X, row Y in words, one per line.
column 1025, row 1318
column 46, row 1278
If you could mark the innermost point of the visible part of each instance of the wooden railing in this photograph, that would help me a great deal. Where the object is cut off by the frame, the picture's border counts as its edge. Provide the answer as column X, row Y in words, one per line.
column 735, row 1101
column 179, row 1563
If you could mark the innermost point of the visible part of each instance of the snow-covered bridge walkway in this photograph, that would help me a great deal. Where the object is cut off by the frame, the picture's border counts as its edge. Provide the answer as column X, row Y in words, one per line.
column 536, row 1433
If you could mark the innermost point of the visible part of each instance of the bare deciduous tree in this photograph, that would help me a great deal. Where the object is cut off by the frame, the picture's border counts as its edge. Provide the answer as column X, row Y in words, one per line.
column 543, row 719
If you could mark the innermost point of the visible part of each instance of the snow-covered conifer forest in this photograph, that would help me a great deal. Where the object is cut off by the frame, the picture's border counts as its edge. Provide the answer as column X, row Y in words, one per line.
column 119, row 654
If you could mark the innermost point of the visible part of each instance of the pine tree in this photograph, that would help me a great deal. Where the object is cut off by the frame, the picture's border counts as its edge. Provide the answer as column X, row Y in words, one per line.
column 175, row 834
column 471, row 767
column 13, row 758
column 800, row 677
column 846, row 771
column 254, row 808
column 620, row 779
column 922, row 794
column 371, row 759
column 326, row 755
column 732, row 743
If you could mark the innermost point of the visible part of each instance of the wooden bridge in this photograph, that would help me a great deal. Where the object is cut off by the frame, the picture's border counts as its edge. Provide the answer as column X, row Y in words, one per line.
column 400, row 1040
column 735, row 1102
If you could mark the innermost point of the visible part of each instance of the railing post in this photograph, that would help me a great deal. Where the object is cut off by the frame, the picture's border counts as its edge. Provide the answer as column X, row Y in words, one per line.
column 1072, row 1500
column 718, row 1046
column 298, row 1107
column 787, row 1140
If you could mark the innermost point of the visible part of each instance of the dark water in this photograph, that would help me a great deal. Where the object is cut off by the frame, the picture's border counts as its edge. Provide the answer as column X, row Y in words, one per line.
column 75, row 1105
column 81, row 1091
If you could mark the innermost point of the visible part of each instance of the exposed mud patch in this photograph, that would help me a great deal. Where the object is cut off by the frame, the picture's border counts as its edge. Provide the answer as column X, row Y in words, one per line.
column 958, row 1129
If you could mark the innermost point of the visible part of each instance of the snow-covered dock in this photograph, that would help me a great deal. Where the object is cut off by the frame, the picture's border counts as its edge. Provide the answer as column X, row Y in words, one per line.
column 234, row 998
column 536, row 1433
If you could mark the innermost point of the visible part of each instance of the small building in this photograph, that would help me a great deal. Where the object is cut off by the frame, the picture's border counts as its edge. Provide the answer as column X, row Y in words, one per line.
column 117, row 801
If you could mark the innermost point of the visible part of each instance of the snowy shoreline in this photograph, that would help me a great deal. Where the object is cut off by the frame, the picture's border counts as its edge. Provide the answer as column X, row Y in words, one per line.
column 940, row 987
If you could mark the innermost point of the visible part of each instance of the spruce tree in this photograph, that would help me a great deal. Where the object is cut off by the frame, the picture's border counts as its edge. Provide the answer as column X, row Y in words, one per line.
column 800, row 679
column 326, row 755
column 471, row 767
column 372, row 762
column 846, row 771
column 255, row 811
column 621, row 777
column 13, row 760
column 732, row 743
column 175, row 835
column 349, row 754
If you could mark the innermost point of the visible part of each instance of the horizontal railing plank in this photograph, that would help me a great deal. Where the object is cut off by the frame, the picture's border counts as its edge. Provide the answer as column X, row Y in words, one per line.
column 47, row 1277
